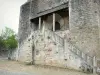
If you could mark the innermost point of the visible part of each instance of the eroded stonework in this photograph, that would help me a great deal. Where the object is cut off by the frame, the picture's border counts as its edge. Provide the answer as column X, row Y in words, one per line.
column 62, row 33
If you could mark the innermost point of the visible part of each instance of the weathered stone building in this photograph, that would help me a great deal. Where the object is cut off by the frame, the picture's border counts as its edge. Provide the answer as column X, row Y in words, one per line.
column 62, row 33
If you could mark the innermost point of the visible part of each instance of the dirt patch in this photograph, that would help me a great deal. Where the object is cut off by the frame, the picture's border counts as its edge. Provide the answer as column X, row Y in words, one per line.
column 20, row 67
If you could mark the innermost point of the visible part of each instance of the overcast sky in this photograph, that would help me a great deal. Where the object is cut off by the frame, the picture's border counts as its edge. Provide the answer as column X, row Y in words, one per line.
column 9, row 13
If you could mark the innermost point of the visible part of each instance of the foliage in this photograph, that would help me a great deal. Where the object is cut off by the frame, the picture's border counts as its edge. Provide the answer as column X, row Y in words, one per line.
column 7, row 32
column 2, row 43
column 11, row 42
column 8, row 39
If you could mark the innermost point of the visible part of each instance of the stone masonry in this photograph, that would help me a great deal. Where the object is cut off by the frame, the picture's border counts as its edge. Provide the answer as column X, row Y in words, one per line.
column 62, row 33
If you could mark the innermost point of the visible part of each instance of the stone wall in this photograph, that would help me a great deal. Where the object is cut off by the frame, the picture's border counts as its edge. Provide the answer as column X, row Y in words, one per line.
column 83, row 20
column 50, row 49
column 25, row 50
column 30, row 9
column 98, row 2
column 39, row 6
column 14, row 54
column 24, row 22
column 49, row 4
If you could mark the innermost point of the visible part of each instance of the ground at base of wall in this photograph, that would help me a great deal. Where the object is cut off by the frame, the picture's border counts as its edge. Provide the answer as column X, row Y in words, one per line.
column 58, row 68
column 38, row 70
column 54, row 67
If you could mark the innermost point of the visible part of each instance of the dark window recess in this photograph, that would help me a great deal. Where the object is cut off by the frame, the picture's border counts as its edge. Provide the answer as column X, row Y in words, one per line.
column 35, row 23
column 57, row 26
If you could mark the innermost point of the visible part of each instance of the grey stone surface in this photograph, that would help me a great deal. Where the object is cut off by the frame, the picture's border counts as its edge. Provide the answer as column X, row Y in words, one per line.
column 44, row 5
column 50, row 48
column 84, row 21
column 24, row 24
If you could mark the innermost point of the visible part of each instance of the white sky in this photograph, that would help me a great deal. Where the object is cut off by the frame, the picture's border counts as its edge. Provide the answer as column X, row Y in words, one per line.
column 9, row 13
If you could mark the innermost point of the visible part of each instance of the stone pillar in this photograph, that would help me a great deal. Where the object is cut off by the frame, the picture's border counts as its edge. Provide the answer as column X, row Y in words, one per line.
column 39, row 23
column 94, row 65
column 43, row 29
column 66, row 49
column 53, row 21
